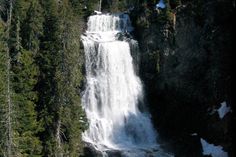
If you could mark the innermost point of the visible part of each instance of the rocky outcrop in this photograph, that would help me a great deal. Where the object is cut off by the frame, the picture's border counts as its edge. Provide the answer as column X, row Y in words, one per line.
column 186, row 67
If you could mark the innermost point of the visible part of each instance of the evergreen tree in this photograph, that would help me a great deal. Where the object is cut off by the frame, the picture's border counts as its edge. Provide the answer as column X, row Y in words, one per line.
column 32, row 27
column 69, row 78
column 40, row 67
column 3, row 88
column 7, row 120
column 25, row 98
column 57, row 88
column 47, row 59
column 20, row 74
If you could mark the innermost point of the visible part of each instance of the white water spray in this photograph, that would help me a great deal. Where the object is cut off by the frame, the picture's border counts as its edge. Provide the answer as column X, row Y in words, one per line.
column 113, row 90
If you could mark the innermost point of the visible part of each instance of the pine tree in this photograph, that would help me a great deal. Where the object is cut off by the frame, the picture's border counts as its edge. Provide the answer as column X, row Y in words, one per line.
column 3, row 88
column 20, row 74
column 40, row 66
column 8, row 115
column 25, row 98
column 69, row 78
column 48, row 61
column 58, row 61
column 32, row 27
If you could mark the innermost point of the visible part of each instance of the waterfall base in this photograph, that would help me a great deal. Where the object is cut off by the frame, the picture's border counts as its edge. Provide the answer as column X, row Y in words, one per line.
column 92, row 151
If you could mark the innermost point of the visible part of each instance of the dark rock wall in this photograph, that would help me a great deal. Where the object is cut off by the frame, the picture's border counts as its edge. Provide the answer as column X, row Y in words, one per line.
column 187, row 69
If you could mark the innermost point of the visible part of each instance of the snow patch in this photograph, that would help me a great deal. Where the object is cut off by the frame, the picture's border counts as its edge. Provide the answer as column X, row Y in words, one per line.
column 223, row 110
column 161, row 4
column 211, row 149
column 194, row 134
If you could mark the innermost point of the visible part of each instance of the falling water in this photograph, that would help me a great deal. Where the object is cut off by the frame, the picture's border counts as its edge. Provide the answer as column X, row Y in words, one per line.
column 114, row 91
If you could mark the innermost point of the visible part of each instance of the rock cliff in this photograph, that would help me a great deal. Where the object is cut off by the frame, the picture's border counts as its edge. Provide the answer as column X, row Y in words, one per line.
column 186, row 64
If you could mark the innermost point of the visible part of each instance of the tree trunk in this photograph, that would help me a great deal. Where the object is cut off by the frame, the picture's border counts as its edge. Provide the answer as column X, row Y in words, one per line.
column 9, row 141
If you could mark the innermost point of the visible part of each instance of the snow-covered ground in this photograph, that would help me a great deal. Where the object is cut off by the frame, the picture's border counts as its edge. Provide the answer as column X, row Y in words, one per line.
column 211, row 149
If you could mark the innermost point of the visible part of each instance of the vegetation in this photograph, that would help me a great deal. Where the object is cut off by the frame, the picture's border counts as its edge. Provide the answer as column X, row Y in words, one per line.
column 40, row 74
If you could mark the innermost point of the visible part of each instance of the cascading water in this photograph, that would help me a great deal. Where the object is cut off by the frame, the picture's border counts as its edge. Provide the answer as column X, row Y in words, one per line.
column 114, row 91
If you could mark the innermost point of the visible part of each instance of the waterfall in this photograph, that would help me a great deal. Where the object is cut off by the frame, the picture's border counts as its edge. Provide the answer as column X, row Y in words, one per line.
column 113, row 90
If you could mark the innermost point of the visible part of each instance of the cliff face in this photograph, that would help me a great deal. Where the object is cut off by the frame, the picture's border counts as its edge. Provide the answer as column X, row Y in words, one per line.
column 186, row 67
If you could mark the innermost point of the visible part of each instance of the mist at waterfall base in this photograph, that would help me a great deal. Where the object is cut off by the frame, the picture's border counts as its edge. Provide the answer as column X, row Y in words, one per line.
column 114, row 91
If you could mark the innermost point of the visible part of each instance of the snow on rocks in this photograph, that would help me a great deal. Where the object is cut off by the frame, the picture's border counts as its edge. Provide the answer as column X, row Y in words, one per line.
column 211, row 149
column 161, row 5
column 223, row 110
